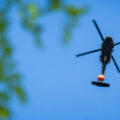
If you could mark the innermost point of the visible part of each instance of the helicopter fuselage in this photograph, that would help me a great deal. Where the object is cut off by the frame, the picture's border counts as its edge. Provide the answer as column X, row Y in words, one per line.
column 106, row 52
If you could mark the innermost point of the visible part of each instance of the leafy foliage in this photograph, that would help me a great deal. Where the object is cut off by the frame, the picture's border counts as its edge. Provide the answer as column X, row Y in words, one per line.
column 75, row 11
column 30, row 13
column 4, row 113
column 73, row 14
column 20, row 93
column 10, row 79
column 54, row 4
column 33, row 11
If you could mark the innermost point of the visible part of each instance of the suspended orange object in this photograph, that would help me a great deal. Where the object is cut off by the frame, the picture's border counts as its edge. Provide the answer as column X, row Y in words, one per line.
column 101, row 78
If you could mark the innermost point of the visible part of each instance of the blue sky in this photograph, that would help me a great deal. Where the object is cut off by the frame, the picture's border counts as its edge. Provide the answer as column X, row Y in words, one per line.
column 59, row 85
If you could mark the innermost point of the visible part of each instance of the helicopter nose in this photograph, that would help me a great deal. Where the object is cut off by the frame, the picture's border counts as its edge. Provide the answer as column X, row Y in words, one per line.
column 101, row 78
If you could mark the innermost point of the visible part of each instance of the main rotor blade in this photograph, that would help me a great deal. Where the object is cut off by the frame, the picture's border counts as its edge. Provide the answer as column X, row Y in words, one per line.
column 98, row 30
column 85, row 53
column 117, row 43
column 115, row 64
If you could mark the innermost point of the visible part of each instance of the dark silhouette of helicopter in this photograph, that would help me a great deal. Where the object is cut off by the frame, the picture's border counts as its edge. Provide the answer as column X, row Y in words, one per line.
column 105, row 57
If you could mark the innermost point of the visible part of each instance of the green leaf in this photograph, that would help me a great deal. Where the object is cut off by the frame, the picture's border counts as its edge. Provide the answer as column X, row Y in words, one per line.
column 67, row 34
column 4, row 96
column 8, row 51
column 75, row 11
column 3, row 25
column 33, row 10
column 29, row 24
column 37, row 35
column 4, row 112
column 16, row 76
column 1, row 76
column 54, row 4
column 20, row 93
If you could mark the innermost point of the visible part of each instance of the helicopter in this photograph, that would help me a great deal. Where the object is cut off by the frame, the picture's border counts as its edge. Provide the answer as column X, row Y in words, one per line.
column 105, row 56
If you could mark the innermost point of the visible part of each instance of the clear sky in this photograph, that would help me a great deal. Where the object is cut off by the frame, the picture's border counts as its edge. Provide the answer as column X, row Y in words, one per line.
column 59, row 85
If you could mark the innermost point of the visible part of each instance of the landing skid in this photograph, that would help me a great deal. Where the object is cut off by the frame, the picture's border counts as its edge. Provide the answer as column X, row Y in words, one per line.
column 100, row 84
